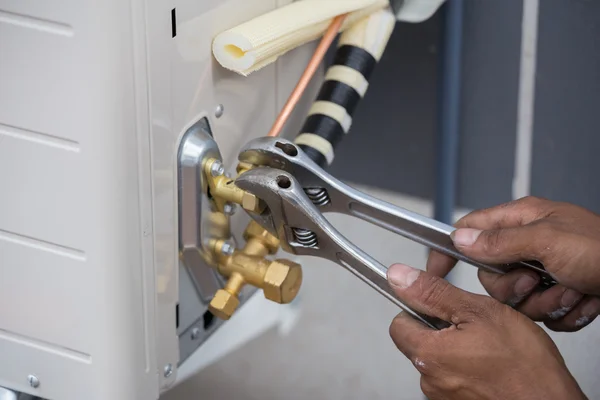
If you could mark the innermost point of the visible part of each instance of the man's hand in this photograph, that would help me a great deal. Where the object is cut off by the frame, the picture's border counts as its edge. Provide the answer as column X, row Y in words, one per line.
column 563, row 237
column 490, row 352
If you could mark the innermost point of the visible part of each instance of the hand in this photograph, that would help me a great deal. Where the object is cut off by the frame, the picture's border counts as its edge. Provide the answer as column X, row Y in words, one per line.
column 490, row 352
column 563, row 237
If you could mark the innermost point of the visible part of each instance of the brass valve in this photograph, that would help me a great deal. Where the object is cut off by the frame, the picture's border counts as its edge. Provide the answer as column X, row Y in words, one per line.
column 280, row 280
column 224, row 190
column 259, row 242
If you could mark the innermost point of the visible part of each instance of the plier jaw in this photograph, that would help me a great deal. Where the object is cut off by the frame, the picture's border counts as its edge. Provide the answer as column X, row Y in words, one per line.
column 288, row 212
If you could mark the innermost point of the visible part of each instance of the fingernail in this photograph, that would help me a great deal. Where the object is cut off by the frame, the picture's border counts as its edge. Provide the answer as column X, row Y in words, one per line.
column 525, row 285
column 402, row 276
column 465, row 237
column 569, row 298
column 558, row 314
column 588, row 312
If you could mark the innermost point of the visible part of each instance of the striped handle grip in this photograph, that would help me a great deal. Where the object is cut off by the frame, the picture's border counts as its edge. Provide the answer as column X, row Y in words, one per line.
column 359, row 50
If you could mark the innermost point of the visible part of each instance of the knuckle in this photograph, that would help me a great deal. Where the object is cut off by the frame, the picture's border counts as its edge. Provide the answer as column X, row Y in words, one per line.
column 494, row 241
column 481, row 307
column 451, row 385
column 434, row 292
column 427, row 388
column 540, row 207
column 421, row 365
column 531, row 201
column 441, row 387
column 543, row 235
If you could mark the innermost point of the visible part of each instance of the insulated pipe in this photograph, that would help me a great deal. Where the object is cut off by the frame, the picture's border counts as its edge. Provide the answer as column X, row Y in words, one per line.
column 447, row 152
column 359, row 50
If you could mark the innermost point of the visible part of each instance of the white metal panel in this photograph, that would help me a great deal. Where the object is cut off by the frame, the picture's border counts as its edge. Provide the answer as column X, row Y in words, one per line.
column 93, row 99
column 187, row 85
column 76, row 310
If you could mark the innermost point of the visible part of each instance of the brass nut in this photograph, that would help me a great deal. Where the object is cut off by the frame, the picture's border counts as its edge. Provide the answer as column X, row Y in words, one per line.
column 251, row 203
column 243, row 167
column 282, row 281
column 255, row 231
column 223, row 304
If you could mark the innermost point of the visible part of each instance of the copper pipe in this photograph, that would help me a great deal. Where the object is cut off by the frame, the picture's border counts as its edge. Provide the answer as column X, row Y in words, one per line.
column 307, row 75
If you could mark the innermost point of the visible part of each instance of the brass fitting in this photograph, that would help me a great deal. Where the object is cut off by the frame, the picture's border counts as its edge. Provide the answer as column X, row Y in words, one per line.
column 259, row 242
column 243, row 167
column 280, row 280
column 224, row 190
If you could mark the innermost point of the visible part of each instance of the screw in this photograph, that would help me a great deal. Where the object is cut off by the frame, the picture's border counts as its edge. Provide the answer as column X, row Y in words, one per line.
column 219, row 111
column 195, row 333
column 229, row 209
column 217, row 169
column 227, row 249
column 168, row 370
column 33, row 381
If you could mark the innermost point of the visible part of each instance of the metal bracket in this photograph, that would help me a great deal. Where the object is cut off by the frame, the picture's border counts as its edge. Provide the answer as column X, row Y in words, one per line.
column 196, row 146
column 195, row 229
column 199, row 225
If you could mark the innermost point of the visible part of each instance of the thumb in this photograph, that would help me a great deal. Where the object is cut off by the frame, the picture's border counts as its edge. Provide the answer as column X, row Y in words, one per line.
column 499, row 246
column 434, row 296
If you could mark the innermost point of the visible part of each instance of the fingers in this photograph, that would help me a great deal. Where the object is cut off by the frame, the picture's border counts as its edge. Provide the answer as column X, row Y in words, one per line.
column 560, row 308
column 505, row 245
column 509, row 215
column 580, row 317
column 511, row 288
column 433, row 296
column 407, row 334
column 551, row 304
column 439, row 264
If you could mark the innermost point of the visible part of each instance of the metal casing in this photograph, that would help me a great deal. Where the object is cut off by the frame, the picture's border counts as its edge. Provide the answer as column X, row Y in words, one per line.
column 94, row 99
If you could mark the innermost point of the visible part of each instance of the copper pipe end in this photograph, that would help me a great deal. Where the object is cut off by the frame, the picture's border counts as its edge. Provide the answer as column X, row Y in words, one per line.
column 307, row 75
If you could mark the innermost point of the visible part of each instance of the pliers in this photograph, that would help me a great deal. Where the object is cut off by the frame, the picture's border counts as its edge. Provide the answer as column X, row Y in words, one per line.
column 296, row 193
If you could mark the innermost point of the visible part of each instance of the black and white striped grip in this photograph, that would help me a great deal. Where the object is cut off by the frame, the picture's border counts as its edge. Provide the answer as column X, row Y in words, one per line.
column 345, row 85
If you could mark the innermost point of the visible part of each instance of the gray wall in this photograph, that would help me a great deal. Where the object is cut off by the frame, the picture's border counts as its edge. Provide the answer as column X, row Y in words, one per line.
column 567, row 111
column 394, row 128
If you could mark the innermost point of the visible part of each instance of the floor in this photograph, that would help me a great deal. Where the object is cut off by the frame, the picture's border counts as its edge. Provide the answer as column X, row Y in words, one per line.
column 340, row 347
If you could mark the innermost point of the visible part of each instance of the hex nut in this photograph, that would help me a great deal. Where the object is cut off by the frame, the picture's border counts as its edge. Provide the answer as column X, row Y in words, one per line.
column 229, row 208
column 282, row 281
column 255, row 231
column 216, row 168
column 227, row 248
column 223, row 304
column 251, row 203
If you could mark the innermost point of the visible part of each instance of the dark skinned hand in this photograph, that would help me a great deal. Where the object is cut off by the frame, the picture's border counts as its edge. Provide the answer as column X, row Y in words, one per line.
column 565, row 238
column 490, row 352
